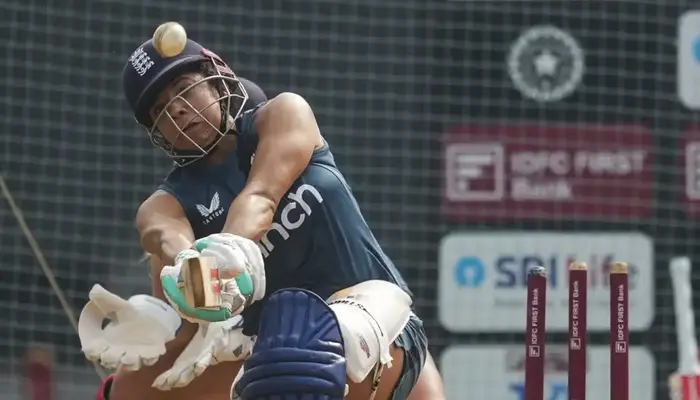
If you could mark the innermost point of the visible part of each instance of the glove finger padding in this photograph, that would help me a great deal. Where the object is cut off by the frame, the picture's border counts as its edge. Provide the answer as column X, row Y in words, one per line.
column 212, row 344
column 102, row 305
column 111, row 358
column 204, row 362
column 135, row 335
column 237, row 258
column 107, row 301
column 90, row 330
column 179, row 374
column 255, row 258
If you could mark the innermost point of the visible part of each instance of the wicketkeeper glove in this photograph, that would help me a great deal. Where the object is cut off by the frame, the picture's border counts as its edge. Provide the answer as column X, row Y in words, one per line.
column 136, row 334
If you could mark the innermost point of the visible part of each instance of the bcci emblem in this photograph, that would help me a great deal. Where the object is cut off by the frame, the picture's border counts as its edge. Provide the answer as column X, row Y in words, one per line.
column 546, row 64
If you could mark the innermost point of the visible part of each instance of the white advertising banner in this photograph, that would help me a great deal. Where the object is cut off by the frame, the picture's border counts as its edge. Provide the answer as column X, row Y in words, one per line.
column 497, row 373
column 483, row 278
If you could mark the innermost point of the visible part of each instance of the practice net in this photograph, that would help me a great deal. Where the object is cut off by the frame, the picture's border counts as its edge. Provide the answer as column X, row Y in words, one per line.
column 489, row 132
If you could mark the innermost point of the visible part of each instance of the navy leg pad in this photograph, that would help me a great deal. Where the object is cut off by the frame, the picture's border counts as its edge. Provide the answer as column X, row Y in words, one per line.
column 299, row 353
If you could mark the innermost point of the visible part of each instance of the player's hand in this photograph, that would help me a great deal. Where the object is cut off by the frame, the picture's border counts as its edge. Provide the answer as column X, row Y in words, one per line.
column 241, row 271
column 137, row 332
column 172, row 281
column 212, row 344
column 239, row 259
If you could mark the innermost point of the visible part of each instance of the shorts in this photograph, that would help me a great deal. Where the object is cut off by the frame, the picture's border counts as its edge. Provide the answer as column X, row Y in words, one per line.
column 415, row 345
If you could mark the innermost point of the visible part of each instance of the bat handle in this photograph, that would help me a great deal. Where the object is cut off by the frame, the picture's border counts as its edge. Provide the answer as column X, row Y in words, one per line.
column 202, row 284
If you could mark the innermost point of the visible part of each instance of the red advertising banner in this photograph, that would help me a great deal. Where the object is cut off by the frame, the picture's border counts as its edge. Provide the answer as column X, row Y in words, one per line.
column 532, row 171
column 690, row 164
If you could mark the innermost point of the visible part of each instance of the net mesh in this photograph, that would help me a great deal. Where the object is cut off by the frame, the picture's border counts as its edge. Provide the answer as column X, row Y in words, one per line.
column 388, row 81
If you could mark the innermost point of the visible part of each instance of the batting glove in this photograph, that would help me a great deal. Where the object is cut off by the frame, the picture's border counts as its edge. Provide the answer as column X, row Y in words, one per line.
column 137, row 332
column 213, row 343
column 173, row 284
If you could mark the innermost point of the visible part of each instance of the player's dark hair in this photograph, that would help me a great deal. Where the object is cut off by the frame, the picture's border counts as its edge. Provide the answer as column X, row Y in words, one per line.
column 206, row 68
column 222, row 87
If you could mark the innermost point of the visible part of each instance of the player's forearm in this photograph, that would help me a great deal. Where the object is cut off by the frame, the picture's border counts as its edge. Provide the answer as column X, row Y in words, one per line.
column 250, row 216
column 165, row 243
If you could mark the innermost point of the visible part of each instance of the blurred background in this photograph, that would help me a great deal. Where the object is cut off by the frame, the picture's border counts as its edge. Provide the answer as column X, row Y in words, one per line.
column 480, row 137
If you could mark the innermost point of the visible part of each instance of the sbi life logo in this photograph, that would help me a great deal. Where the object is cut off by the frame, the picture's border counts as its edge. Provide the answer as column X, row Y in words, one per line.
column 470, row 272
column 511, row 270
column 696, row 49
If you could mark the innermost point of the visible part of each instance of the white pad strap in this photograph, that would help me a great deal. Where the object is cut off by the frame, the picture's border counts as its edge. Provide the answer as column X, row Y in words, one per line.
column 234, row 395
column 376, row 378
column 371, row 315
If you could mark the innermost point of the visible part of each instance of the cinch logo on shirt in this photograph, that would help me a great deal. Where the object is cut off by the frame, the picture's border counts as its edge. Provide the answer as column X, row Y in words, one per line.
column 289, row 221
column 214, row 210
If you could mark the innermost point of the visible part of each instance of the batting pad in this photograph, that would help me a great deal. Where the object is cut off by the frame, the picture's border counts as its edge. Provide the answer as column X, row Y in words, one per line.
column 299, row 353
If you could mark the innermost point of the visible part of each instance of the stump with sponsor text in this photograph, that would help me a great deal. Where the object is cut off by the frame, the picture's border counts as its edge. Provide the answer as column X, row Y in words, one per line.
column 577, row 332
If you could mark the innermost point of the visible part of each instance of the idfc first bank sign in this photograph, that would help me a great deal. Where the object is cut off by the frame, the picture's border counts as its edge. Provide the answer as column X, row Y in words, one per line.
column 532, row 171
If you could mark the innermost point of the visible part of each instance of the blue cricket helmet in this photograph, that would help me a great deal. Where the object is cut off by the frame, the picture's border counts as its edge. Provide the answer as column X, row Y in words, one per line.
column 146, row 73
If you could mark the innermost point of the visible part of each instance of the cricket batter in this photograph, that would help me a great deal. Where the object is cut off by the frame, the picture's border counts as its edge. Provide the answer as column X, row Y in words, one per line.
column 313, row 308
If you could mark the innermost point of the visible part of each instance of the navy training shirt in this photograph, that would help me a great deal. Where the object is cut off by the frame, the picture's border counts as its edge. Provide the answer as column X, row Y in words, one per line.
column 319, row 239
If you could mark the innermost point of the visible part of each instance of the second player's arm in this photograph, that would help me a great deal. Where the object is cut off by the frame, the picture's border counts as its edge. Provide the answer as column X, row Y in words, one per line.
column 287, row 137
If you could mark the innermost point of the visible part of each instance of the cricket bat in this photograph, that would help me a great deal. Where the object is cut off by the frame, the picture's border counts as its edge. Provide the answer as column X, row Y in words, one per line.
column 202, row 284
column 685, row 384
